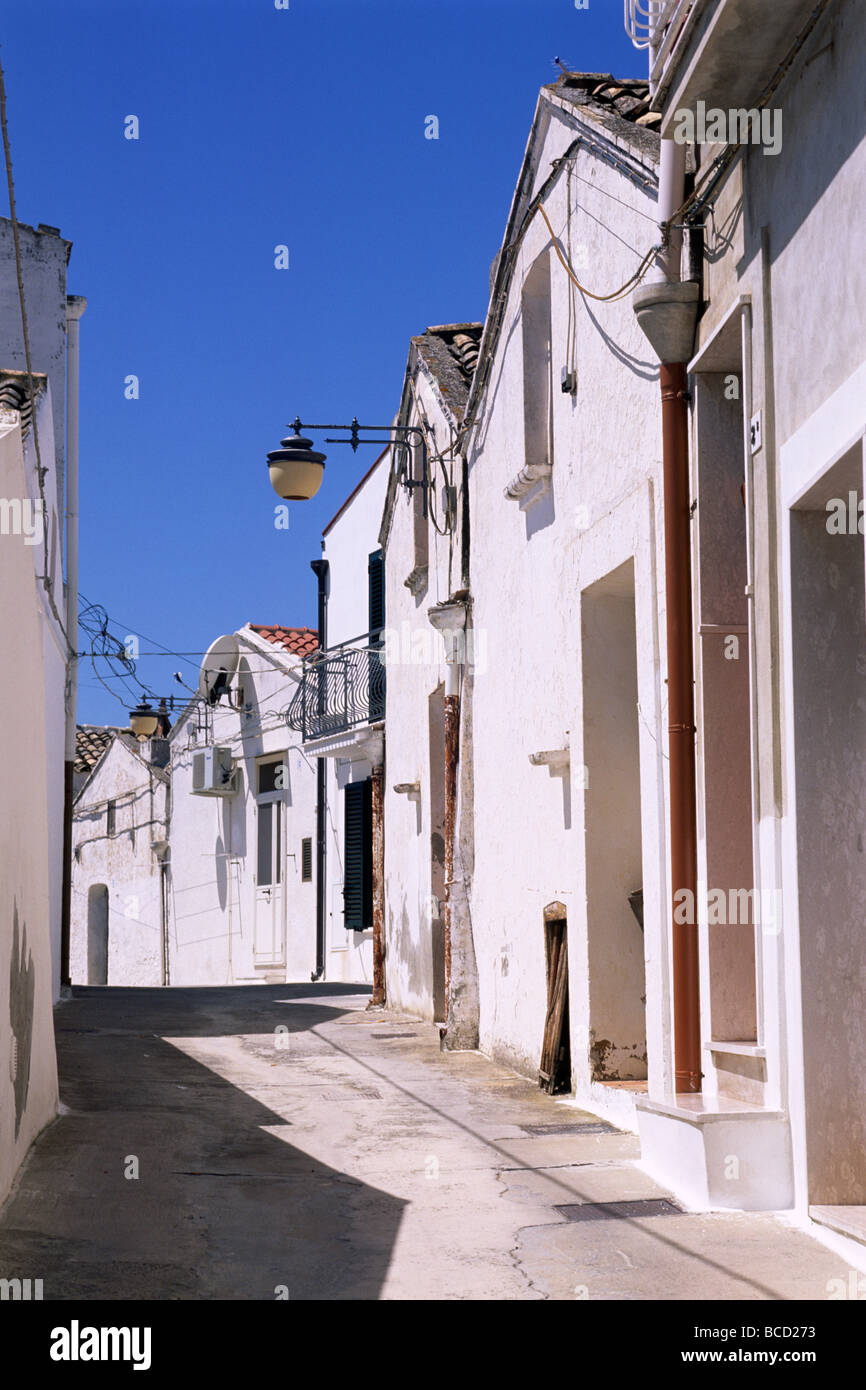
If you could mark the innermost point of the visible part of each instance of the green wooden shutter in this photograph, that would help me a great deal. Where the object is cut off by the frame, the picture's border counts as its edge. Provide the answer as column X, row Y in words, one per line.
column 306, row 860
column 376, row 592
column 358, row 856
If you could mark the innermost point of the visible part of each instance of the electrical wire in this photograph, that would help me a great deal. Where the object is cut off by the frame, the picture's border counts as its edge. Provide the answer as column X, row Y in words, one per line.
column 623, row 290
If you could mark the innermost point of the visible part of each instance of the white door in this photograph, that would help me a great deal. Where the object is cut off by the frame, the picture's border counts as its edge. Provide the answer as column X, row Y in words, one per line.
column 269, row 940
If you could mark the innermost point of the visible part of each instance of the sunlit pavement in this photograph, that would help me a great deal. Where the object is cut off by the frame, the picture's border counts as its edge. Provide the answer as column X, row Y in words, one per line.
column 285, row 1141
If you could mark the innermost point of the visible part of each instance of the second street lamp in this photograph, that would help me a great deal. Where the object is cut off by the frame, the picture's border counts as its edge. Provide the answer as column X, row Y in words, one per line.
column 143, row 721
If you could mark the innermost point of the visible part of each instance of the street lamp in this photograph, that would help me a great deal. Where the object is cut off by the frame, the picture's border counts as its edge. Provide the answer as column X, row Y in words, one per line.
column 143, row 721
column 297, row 470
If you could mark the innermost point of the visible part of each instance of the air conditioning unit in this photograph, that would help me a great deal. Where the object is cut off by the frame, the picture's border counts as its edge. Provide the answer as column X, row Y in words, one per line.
column 213, row 773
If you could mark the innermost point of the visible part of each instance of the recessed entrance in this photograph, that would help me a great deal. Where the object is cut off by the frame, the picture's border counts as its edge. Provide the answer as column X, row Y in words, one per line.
column 614, row 871
column 828, row 623
column 554, row 1070
column 97, row 934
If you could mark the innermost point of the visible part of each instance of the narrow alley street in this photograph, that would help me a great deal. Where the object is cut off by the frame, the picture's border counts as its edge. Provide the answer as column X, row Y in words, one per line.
column 289, row 1142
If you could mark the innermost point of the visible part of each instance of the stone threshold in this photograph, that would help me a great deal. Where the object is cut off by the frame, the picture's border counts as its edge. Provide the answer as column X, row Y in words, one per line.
column 845, row 1221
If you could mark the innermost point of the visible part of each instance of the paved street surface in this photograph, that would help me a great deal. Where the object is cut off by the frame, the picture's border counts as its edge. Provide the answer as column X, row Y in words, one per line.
column 347, row 1158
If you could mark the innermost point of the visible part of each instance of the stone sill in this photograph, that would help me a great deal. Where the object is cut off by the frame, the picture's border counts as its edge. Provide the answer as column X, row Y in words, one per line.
column 736, row 1049
column 695, row 1110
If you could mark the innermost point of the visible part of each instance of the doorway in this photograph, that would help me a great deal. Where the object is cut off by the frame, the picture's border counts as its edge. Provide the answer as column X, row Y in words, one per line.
column 269, row 942
column 828, row 628
column 97, row 934
column 614, row 866
column 554, row 1069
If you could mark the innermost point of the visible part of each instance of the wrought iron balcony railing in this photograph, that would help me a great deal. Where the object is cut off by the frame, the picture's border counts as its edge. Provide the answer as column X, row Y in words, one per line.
column 341, row 687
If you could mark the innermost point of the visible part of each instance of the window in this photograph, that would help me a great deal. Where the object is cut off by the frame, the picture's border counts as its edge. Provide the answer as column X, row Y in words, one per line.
column 535, row 314
column 358, row 872
column 376, row 592
column 111, row 818
column 272, row 784
column 273, row 776
column 307, row 860
column 269, row 822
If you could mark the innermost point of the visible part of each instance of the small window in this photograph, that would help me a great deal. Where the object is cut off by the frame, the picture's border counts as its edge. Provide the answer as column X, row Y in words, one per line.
column 307, row 860
column 375, row 593
column 111, row 818
column 273, row 776
column 358, row 857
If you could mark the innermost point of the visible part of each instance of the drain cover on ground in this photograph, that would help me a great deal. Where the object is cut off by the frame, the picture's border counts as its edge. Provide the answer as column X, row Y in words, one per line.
column 618, row 1211
column 393, row 1035
column 587, row 1127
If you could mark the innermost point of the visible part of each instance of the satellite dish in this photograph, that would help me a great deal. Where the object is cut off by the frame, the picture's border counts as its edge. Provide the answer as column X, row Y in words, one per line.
column 219, row 665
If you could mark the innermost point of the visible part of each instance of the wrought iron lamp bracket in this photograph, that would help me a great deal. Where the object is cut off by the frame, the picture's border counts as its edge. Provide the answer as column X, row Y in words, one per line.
column 402, row 436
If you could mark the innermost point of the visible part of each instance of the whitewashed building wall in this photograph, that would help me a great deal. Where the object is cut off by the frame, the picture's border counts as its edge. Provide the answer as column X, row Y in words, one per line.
column 347, row 543
column 225, row 926
column 119, row 838
column 564, row 578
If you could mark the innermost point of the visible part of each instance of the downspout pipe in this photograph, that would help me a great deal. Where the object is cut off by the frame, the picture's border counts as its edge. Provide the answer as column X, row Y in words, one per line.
column 666, row 310
column 321, row 568
column 75, row 307
column 749, row 477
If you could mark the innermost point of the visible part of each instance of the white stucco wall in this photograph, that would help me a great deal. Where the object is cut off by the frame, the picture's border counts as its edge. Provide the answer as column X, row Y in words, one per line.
column 528, row 569
column 28, row 1069
column 415, row 664
column 348, row 541
column 524, row 691
column 44, row 259
column 125, row 863
column 213, row 936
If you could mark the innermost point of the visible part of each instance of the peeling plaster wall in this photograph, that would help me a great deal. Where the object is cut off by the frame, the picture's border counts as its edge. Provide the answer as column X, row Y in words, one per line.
column 28, row 1069
column 124, row 862
column 214, row 841
column 528, row 570
column 416, row 670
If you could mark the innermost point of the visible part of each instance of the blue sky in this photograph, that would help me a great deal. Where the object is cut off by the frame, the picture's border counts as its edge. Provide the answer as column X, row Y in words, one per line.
column 260, row 127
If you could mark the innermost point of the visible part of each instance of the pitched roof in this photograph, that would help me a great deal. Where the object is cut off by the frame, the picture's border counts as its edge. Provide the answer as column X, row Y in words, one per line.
column 618, row 110
column 91, row 741
column 300, row 641
column 450, row 352
column 621, row 103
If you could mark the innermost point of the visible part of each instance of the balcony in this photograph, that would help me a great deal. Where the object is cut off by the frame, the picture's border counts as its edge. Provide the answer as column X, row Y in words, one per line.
column 341, row 688
column 721, row 52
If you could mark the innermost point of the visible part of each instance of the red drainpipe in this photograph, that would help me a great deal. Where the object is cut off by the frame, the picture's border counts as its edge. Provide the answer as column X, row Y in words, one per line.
column 681, row 723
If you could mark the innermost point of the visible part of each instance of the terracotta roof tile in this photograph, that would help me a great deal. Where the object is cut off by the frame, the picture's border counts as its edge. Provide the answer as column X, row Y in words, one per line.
column 301, row 641
column 91, row 741
column 450, row 351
